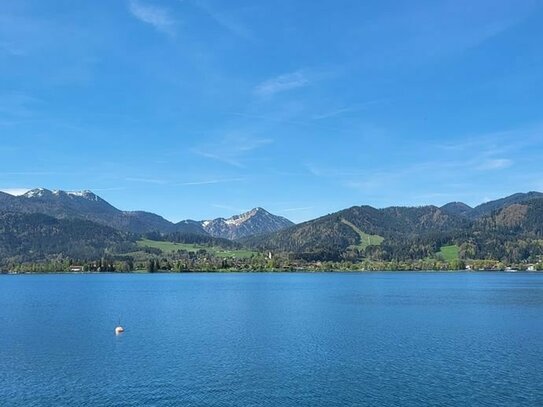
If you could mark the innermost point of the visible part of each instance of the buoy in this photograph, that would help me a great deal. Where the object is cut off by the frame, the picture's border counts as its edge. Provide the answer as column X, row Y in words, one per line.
column 119, row 330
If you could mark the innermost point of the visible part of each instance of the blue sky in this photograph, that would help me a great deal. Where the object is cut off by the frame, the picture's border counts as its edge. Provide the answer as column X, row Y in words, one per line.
column 204, row 108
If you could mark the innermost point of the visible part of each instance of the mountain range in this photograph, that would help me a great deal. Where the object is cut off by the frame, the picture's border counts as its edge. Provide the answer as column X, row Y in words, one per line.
column 89, row 206
column 59, row 223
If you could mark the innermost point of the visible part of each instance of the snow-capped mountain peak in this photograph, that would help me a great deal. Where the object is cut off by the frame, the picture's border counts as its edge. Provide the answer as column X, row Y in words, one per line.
column 254, row 222
column 84, row 194
column 37, row 193
column 57, row 193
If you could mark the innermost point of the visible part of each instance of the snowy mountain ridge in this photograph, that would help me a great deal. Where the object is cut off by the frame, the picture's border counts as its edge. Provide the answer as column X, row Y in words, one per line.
column 257, row 221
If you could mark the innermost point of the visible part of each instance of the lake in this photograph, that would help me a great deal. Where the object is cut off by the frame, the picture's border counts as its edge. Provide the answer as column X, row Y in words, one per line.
column 259, row 339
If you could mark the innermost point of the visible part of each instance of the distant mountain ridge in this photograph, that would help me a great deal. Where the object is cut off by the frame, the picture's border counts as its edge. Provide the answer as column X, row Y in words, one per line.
column 53, row 224
column 486, row 208
column 83, row 205
column 88, row 206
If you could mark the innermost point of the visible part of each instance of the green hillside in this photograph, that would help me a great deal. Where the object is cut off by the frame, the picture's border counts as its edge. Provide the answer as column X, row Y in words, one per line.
column 449, row 253
column 365, row 239
column 172, row 247
column 511, row 233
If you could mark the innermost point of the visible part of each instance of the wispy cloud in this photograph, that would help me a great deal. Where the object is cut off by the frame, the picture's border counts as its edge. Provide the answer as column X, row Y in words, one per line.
column 463, row 25
column 32, row 173
column 211, row 181
column 225, row 20
column 231, row 149
column 498, row 142
column 346, row 109
column 104, row 189
column 464, row 165
column 319, row 171
column 496, row 150
column 159, row 181
column 159, row 17
column 282, row 83
column 147, row 180
column 495, row 164
column 224, row 158
column 301, row 209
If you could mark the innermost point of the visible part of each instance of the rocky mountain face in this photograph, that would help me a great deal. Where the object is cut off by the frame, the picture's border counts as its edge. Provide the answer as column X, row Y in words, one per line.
column 257, row 221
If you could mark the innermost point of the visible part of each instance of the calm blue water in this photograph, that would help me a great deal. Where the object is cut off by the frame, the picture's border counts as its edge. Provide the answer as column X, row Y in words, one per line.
column 381, row 339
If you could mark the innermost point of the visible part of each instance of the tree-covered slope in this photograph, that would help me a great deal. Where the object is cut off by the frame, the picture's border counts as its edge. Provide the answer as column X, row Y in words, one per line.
column 514, row 232
column 488, row 207
column 334, row 232
column 36, row 237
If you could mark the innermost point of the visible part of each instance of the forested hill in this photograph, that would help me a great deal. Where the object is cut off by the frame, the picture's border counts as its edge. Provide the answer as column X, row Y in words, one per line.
column 488, row 207
column 38, row 237
column 351, row 227
column 460, row 208
column 512, row 231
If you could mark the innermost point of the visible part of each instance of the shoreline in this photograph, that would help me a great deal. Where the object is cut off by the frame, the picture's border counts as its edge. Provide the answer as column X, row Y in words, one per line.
column 301, row 271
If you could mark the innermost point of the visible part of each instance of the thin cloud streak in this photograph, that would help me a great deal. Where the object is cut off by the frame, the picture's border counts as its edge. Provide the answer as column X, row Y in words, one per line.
column 304, row 208
column 231, row 149
column 346, row 109
column 219, row 157
column 495, row 164
column 158, row 17
column 282, row 83
column 310, row 123
column 501, row 141
column 106, row 189
column 32, row 173
column 147, row 180
column 211, row 181
column 224, row 20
